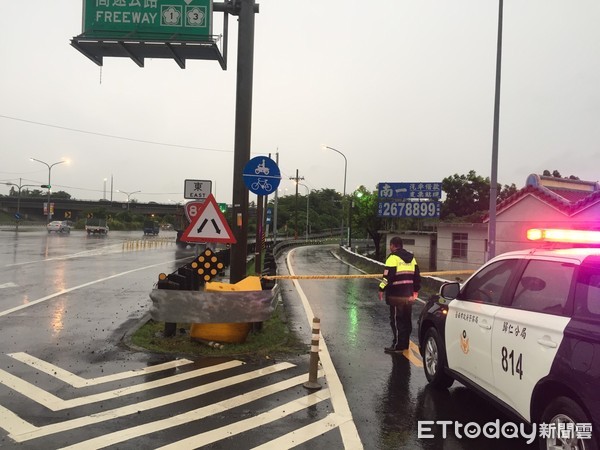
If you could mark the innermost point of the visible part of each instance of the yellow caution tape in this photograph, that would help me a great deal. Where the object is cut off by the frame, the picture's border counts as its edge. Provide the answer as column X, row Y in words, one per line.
column 370, row 275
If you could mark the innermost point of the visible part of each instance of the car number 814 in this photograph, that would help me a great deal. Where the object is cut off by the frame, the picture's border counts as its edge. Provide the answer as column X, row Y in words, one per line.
column 409, row 209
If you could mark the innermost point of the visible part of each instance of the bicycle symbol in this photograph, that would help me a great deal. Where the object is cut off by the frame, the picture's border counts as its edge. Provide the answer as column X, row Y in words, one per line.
column 263, row 184
column 262, row 168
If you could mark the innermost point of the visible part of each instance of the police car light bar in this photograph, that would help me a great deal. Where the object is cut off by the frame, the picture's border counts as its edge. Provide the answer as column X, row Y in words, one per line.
column 557, row 235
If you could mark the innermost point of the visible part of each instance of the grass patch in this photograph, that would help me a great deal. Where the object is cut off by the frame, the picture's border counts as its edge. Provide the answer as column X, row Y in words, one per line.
column 273, row 339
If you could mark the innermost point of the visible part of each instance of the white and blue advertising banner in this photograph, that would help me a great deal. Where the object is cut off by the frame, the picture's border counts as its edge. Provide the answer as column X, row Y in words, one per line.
column 418, row 200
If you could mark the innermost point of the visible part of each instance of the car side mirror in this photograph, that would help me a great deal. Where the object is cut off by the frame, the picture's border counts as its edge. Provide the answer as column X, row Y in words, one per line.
column 533, row 284
column 450, row 290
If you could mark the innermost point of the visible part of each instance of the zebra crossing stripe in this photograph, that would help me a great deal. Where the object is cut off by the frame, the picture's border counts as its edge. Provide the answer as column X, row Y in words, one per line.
column 13, row 423
column 181, row 419
column 304, row 434
column 79, row 382
column 242, row 426
column 22, row 434
column 54, row 403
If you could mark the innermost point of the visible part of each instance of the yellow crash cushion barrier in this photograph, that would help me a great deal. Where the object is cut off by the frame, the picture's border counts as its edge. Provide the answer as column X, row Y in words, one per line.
column 247, row 284
column 234, row 333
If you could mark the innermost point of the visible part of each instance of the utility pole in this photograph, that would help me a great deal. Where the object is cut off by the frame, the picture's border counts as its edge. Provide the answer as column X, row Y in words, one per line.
column 296, row 180
column 275, row 206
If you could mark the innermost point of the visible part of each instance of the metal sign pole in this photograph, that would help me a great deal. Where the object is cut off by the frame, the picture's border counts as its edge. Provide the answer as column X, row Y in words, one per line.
column 259, row 231
column 243, row 126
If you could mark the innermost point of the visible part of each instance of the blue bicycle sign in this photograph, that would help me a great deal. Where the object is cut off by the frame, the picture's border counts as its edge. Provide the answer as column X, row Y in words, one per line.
column 262, row 183
column 261, row 175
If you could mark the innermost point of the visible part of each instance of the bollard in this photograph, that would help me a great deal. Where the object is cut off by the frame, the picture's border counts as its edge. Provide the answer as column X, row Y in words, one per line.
column 312, row 382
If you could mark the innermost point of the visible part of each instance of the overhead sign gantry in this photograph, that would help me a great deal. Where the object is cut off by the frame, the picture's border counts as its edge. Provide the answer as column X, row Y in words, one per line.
column 139, row 29
column 179, row 30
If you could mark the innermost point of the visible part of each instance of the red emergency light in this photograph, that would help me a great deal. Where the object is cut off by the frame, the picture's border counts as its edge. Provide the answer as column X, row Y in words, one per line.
column 558, row 235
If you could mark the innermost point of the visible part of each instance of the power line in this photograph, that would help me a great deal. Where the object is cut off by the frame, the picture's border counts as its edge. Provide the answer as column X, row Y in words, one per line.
column 113, row 136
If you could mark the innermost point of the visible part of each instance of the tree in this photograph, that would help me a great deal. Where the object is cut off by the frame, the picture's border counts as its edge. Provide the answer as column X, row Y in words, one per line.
column 365, row 216
column 14, row 192
column 325, row 212
column 465, row 195
column 556, row 174
column 468, row 196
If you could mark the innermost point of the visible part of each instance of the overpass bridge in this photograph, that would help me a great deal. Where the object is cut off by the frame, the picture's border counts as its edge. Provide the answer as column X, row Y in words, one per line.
column 70, row 209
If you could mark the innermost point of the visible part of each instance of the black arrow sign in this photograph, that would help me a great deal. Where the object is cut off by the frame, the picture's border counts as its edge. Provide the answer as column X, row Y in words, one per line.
column 199, row 230
column 217, row 229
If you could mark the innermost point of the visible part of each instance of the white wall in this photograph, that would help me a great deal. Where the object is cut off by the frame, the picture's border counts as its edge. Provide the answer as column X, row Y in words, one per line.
column 476, row 242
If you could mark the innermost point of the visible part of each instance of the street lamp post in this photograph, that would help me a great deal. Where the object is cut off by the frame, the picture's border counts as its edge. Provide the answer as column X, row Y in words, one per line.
column 19, row 186
column 128, row 194
column 350, row 208
column 49, row 166
column 344, row 195
column 307, row 198
column 494, row 170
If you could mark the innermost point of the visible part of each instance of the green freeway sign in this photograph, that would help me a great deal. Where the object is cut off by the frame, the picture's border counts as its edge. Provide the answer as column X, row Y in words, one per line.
column 161, row 19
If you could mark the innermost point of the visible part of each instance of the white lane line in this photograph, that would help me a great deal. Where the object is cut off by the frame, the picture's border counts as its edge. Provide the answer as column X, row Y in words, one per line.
column 65, row 291
column 113, row 248
column 7, row 285
column 304, row 434
column 339, row 401
column 54, row 403
column 190, row 416
column 241, row 426
column 165, row 400
column 78, row 382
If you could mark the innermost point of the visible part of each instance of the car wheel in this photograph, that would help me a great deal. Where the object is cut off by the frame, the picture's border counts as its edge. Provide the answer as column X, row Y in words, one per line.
column 563, row 413
column 434, row 361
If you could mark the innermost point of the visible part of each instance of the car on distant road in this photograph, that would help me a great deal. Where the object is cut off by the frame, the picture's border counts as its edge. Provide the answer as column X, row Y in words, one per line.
column 59, row 226
column 96, row 226
column 151, row 227
column 524, row 331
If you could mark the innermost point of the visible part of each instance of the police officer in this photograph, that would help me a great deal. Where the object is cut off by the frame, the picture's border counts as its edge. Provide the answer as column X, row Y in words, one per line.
column 401, row 283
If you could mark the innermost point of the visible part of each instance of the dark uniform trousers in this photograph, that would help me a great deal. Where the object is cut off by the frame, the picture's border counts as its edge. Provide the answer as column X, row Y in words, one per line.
column 401, row 323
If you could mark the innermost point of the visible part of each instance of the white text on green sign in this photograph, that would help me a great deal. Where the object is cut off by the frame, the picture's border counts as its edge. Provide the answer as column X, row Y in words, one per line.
column 173, row 19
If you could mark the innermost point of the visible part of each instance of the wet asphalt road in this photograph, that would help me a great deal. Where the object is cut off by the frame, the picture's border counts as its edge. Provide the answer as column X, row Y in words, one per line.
column 387, row 394
column 69, row 300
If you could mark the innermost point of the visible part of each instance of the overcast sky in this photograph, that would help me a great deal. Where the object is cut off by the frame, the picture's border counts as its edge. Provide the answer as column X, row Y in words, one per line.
column 404, row 88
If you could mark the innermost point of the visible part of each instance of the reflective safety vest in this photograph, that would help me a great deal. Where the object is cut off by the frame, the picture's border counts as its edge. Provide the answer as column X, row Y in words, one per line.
column 399, row 276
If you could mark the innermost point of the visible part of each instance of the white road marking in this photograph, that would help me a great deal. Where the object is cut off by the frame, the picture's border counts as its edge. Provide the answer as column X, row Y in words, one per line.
column 241, row 426
column 197, row 414
column 113, row 248
column 7, row 285
column 35, row 432
column 79, row 382
column 13, row 424
column 339, row 401
column 54, row 403
column 304, row 434
column 66, row 291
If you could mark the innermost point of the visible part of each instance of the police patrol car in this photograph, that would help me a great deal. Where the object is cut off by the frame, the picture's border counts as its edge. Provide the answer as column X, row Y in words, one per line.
column 524, row 330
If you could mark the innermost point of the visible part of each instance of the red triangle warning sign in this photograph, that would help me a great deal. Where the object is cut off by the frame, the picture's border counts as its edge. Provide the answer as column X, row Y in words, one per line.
column 209, row 225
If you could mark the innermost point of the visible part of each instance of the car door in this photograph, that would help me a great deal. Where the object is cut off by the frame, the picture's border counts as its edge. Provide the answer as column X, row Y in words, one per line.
column 470, row 321
column 528, row 333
